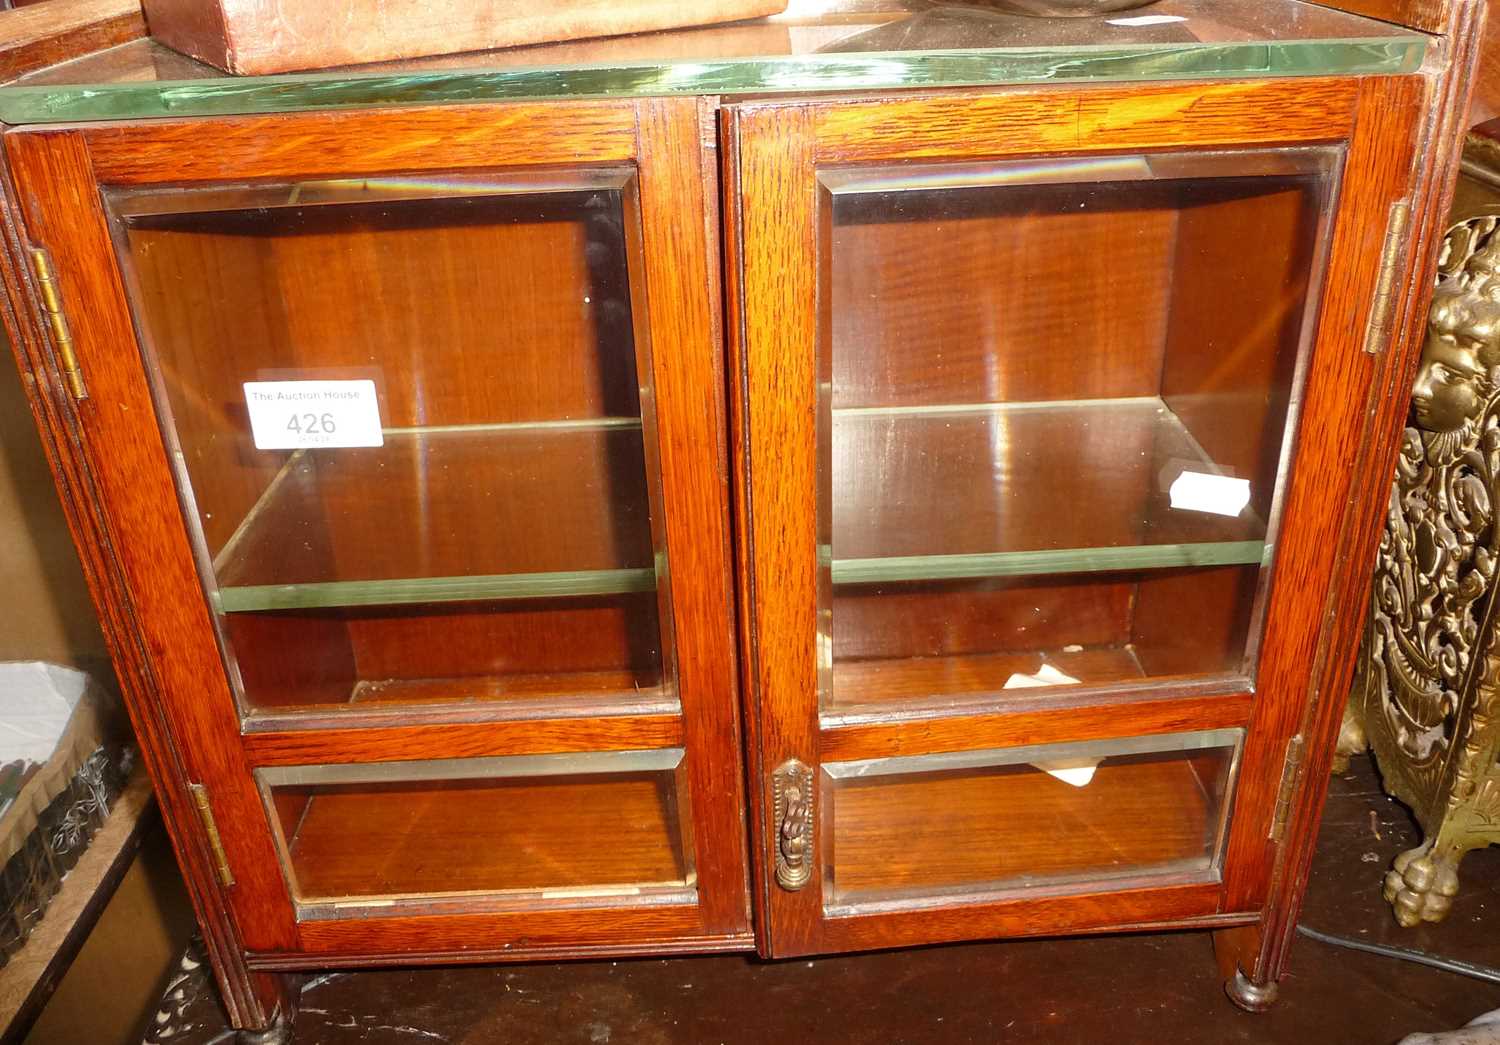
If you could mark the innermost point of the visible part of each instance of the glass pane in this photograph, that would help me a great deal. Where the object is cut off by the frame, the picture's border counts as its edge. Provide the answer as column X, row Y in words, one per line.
column 816, row 45
column 1058, row 396
column 1054, row 815
column 529, row 829
column 413, row 432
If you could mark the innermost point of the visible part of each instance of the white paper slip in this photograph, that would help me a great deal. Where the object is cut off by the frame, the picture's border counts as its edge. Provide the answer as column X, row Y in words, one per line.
column 1215, row 494
column 1046, row 675
column 290, row 415
column 1077, row 772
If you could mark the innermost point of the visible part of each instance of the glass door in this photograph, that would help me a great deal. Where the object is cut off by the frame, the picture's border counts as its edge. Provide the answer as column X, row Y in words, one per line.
column 449, row 644
column 1019, row 460
column 1058, row 399
column 413, row 426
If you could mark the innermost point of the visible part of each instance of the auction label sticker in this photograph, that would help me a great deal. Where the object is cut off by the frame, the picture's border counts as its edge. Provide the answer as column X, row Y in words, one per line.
column 290, row 415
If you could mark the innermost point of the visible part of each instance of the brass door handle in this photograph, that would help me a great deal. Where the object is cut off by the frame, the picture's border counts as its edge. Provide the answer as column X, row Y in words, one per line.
column 791, row 787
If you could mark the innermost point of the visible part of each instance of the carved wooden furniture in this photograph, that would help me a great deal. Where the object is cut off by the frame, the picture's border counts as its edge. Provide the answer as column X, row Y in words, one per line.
column 1425, row 696
column 398, row 414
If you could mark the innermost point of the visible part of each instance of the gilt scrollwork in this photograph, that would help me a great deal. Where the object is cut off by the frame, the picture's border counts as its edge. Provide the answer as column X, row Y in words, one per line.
column 1428, row 676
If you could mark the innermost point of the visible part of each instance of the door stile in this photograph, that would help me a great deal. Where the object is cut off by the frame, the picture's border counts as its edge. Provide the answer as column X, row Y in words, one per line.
column 682, row 280
column 775, row 293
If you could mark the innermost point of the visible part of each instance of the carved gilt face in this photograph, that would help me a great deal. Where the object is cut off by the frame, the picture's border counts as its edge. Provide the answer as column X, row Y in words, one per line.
column 1462, row 354
column 1451, row 386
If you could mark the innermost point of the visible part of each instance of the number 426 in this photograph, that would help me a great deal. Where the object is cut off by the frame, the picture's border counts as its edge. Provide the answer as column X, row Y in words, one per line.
column 312, row 424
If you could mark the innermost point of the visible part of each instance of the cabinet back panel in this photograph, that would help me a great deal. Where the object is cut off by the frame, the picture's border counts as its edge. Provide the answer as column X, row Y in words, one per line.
column 605, row 647
column 1231, row 357
column 975, row 297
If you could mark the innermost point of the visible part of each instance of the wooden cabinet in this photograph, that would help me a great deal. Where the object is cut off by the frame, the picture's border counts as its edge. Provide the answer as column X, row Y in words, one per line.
column 694, row 510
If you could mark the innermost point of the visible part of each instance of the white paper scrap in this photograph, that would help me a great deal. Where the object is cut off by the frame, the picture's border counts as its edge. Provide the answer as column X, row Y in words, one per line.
column 1047, row 675
column 1215, row 494
column 1077, row 772
column 290, row 415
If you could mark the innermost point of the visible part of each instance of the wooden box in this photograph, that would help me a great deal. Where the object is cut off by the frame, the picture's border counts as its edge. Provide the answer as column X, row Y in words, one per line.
column 253, row 37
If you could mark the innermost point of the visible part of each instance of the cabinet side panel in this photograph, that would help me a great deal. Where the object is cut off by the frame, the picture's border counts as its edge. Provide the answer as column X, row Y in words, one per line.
column 250, row 998
column 1440, row 105
column 123, row 445
column 1302, row 650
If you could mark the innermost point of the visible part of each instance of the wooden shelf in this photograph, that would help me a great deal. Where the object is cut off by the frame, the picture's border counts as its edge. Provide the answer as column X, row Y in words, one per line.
column 926, row 833
column 863, row 682
column 550, row 827
column 1022, row 489
column 459, row 514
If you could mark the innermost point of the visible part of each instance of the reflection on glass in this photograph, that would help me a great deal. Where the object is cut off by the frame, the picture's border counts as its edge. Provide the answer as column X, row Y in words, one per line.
column 440, row 486
column 1052, row 816
column 818, row 45
column 538, row 829
column 1056, row 411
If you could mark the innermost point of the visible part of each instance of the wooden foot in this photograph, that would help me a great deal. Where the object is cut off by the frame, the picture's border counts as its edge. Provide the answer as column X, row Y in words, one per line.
column 1235, row 950
column 1252, row 997
column 278, row 1033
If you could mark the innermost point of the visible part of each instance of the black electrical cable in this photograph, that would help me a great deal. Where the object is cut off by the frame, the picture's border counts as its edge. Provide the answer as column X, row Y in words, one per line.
column 1406, row 954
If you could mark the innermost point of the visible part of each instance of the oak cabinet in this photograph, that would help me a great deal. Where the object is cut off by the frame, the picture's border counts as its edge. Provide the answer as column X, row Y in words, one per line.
column 695, row 510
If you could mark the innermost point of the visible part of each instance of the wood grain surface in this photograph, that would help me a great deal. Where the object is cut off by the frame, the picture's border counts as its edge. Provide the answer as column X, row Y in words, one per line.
column 33, row 38
column 923, row 834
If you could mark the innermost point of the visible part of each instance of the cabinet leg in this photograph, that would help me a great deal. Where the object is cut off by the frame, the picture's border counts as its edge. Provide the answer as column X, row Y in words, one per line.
column 1235, row 950
column 277, row 994
column 278, row 1033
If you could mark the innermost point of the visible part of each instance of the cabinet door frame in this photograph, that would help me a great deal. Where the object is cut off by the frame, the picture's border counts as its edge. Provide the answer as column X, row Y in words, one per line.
column 773, row 151
column 64, row 171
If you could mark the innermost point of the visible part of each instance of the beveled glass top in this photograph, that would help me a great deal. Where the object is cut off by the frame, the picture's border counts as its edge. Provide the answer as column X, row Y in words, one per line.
column 816, row 45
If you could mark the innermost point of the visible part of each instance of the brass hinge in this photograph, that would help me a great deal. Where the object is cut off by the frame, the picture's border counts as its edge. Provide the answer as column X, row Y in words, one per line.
column 1378, row 330
column 1289, row 772
column 62, row 337
column 211, row 829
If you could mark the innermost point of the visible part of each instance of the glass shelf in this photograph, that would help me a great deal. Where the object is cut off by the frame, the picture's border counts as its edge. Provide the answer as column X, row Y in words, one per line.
column 406, row 510
column 813, row 46
column 435, row 589
column 902, row 470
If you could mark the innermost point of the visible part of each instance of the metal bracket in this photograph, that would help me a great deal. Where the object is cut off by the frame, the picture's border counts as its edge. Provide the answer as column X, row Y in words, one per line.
column 791, row 788
column 1289, row 772
column 62, row 337
column 211, row 829
column 1378, row 329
